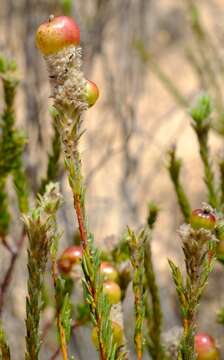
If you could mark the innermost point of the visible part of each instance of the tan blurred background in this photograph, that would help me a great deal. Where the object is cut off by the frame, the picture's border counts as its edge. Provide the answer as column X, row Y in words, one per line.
column 128, row 132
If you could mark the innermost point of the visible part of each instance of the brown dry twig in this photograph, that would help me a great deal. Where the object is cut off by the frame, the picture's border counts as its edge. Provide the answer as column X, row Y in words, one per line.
column 8, row 275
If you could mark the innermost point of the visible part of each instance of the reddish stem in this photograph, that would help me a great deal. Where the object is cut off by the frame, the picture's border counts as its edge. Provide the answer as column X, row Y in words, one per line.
column 55, row 355
column 83, row 235
column 7, row 246
column 81, row 221
column 75, row 325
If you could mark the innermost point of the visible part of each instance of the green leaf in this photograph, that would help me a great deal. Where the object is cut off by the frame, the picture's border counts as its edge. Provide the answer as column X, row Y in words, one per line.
column 66, row 316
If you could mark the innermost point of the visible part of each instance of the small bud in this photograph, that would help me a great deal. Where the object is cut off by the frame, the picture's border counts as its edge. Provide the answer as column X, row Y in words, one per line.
column 71, row 256
column 117, row 335
column 108, row 271
column 202, row 110
column 56, row 34
column 203, row 219
column 205, row 347
column 91, row 93
column 113, row 291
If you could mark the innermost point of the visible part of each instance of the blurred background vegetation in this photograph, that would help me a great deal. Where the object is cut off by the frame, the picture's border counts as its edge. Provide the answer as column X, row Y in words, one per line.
column 150, row 59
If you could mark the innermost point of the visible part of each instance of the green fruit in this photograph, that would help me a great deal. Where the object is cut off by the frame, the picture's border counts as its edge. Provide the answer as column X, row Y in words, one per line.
column 117, row 335
column 113, row 291
column 108, row 271
column 202, row 219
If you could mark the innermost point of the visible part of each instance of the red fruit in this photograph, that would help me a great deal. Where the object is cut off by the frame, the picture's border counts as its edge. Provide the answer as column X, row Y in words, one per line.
column 203, row 218
column 205, row 347
column 113, row 291
column 71, row 256
column 91, row 93
column 117, row 333
column 56, row 34
column 108, row 271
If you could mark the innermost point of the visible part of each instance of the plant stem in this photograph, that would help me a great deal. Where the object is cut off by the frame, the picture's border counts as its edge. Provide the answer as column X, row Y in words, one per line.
column 199, row 251
column 55, row 355
column 69, row 92
column 137, row 256
column 63, row 344
column 7, row 278
column 4, row 348
column 205, row 49
column 40, row 229
column 53, row 159
column 12, row 144
column 4, row 208
column 80, row 218
column 92, row 282
column 155, row 322
column 209, row 175
column 201, row 124
column 174, row 168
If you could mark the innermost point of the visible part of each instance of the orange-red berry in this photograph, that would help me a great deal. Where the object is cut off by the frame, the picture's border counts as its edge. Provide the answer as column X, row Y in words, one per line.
column 113, row 291
column 205, row 347
column 56, row 34
column 71, row 256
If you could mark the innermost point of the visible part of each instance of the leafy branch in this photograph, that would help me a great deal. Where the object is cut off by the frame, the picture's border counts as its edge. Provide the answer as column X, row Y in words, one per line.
column 199, row 250
column 92, row 281
column 68, row 87
column 39, row 225
column 174, row 167
column 201, row 123
column 54, row 156
column 4, row 348
column 62, row 296
column 154, row 314
column 137, row 257
column 12, row 143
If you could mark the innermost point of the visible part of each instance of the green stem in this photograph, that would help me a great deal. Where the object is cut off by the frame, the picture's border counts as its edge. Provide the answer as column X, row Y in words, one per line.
column 155, row 323
column 61, row 330
column 92, row 282
column 204, row 47
column 53, row 160
column 174, row 168
column 4, row 209
column 4, row 348
column 209, row 176
column 137, row 256
column 22, row 190
column 12, row 143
